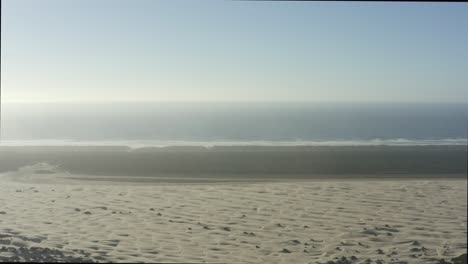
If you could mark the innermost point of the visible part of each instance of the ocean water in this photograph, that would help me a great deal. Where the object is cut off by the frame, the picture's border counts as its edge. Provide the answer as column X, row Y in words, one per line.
column 207, row 124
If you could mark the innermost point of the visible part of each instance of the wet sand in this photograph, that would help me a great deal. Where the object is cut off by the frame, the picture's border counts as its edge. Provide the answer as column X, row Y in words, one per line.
column 247, row 161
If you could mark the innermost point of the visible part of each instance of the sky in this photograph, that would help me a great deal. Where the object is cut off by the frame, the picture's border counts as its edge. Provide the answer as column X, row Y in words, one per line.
column 150, row 50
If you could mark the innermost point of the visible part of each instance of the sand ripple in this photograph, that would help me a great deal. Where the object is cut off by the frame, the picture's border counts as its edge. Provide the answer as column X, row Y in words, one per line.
column 417, row 221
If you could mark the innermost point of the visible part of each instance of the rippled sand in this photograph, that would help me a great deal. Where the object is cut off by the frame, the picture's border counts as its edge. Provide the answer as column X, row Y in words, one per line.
column 418, row 221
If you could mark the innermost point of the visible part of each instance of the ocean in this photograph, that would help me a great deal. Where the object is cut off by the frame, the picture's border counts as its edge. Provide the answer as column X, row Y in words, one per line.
column 211, row 124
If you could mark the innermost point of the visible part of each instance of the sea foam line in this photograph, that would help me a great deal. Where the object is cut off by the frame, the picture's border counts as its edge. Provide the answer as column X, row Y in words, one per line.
column 164, row 143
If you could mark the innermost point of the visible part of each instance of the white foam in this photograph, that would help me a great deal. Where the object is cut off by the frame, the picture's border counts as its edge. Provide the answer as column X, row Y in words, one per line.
column 166, row 143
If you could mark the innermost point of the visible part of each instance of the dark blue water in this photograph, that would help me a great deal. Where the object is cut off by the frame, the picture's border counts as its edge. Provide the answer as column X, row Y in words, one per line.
column 235, row 122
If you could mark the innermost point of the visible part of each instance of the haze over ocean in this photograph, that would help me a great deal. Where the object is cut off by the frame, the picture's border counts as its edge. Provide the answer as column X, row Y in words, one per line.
column 235, row 123
column 192, row 60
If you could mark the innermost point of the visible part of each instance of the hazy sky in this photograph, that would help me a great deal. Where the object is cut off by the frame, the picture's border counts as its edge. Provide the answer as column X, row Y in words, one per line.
column 111, row 50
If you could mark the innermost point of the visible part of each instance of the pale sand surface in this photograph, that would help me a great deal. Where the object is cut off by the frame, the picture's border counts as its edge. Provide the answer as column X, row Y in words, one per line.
column 302, row 221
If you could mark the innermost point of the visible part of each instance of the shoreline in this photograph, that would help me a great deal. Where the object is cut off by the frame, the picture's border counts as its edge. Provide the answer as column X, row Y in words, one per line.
column 246, row 162
column 72, row 179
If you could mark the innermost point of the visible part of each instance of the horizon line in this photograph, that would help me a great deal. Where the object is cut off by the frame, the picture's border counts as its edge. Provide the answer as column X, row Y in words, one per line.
column 233, row 101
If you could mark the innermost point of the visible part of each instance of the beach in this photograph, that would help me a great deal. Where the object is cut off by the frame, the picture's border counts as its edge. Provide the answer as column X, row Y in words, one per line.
column 245, row 162
column 96, row 204
column 275, row 132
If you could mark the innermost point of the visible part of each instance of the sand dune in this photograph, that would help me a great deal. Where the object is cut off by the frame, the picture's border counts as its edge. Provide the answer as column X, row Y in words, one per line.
column 413, row 221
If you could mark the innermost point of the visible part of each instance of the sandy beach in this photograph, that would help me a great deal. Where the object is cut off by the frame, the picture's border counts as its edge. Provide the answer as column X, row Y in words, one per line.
column 276, row 132
column 49, row 213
